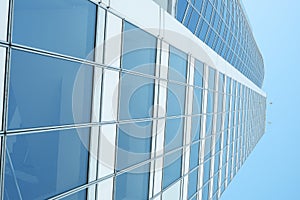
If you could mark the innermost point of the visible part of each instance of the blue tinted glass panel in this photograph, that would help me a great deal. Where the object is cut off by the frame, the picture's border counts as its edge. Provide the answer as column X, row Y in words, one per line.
column 133, row 185
column 193, row 21
column 215, row 184
column 77, row 196
column 198, row 4
column 217, row 163
column 174, row 133
column 198, row 73
column 203, row 31
column 206, row 175
column 210, row 102
column 60, row 90
column 208, row 11
column 176, row 99
column 172, row 168
column 193, row 183
column 194, row 155
column 134, row 143
column 181, row 7
column 177, row 65
column 211, row 79
column 136, row 97
column 205, row 192
column 41, row 165
column 139, row 50
column 62, row 26
column 209, row 124
column 197, row 103
column 188, row 15
column 196, row 128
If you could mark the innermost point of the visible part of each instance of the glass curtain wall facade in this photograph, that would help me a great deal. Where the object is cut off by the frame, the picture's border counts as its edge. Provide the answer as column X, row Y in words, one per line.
column 97, row 106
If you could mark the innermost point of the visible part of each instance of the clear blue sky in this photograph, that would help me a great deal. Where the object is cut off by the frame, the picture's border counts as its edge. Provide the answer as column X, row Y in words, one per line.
column 272, row 171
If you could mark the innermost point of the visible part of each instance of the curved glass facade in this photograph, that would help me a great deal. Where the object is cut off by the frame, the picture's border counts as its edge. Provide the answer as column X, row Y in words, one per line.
column 223, row 26
column 96, row 106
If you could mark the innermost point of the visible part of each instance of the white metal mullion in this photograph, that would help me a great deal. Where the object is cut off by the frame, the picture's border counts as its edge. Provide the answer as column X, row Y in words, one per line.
column 160, row 129
column 96, row 102
column 109, row 104
column 188, row 125
column 214, row 134
column 155, row 115
column 203, row 132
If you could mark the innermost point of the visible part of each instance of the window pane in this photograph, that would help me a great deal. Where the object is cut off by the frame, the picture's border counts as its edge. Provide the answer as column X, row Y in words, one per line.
column 196, row 128
column 198, row 75
column 81, row 195
column 177, row 65
column 41, row 165
column 172, row 168
column 194, row 156
column 206, row 175
column 193, row 21
column 47, row 91
column 139, row 50
column 193, row 183
column 197, row 103
column 134, row 143
column 136, row 97
column 133, row 185
column 174, row 133
column 62, row 26
column 181, row 7
column 176, row 99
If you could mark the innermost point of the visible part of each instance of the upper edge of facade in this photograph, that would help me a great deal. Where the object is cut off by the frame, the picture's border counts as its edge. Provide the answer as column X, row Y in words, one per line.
column 223, row 25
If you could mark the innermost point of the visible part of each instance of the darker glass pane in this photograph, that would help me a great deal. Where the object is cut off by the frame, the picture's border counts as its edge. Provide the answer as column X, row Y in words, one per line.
column 177, row 65
column 62, row 26
column 197, row 103
column 196, row 128
column 193, row 183
column 47, row 91
column 206, row 175
column 41, row 165
column 208, row 11
column 136, row 97
column 139, row 50
column 175, row 100
column 172, row 168
column 181, row 7
column 194, row 155
column 173, row 133
column 203, row 31
column 133, row 185
column 134, row 143
column 198, row 73
column 193, row 21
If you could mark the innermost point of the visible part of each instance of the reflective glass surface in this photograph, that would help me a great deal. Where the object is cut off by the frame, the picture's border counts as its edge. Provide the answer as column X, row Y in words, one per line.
column 172, row 168
column 136, row 97
column 133, row 185
column 139, row 50
column 193, row 183
column 174, row 133
column 61, row 26
column 177, row 65
column 194, row 155
column 134, row 143
column 47, row 91
column 41, row 165
column 176, row 99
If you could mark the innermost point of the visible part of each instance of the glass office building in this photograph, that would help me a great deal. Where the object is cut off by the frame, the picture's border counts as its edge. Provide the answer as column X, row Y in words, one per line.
column 126, row 100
